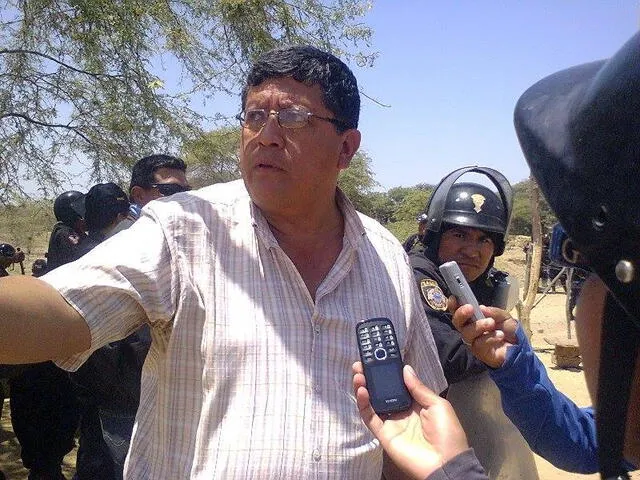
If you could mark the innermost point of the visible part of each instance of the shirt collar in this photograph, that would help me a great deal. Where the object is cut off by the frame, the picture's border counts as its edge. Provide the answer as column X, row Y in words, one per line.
column 354, row 230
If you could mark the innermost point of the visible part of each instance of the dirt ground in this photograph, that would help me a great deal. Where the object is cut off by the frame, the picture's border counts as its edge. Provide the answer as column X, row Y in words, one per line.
column 548, row 321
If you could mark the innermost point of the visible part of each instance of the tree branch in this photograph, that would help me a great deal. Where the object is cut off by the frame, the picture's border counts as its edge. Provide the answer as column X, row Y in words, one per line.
column 61, row 63
column 44, row 124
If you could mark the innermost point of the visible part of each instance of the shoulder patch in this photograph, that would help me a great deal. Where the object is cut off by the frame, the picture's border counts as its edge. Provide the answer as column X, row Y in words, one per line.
column 433, row 294
column 73, row 238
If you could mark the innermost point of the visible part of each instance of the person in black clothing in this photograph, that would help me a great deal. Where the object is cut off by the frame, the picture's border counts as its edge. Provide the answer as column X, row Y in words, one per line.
column 44, row 412
column 68, row 232
column 100, row 385
column 415, row 240
column 467, row 222
column 7, row 258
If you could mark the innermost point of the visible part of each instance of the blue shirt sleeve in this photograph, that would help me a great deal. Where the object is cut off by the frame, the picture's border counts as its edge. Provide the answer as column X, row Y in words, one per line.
column 554, row 427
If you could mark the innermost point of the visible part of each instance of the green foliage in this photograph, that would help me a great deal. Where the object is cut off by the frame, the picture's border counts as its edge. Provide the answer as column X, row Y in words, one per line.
column 413, row 203
column 213, row 157
column 106, row 82
column 521, row 216
column 358, row 182
column 27, row 226
column 402, row 229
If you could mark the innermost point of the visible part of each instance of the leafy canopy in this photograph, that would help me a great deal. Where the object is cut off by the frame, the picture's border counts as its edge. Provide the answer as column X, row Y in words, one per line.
column 106, row 82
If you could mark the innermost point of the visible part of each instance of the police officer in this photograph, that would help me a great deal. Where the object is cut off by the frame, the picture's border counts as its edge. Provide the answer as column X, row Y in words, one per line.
column 44, row 409
column 467, row 223
column 415, row 240
column 7, row 257
column 68, row 232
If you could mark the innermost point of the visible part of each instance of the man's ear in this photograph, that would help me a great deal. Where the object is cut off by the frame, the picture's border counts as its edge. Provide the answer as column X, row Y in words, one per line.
column 137, row 195
column 350, row 144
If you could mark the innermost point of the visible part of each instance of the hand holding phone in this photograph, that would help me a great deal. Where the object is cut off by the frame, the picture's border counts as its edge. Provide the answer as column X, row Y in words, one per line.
column 460, row 288
column 382, row 365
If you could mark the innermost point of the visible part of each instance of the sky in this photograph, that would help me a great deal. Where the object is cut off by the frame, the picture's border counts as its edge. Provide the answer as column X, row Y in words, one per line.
column 452, row 72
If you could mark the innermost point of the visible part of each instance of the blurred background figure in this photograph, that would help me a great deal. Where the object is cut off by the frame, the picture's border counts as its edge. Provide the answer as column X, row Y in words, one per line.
column 101, row 384
column 415, row 240
column 9, row 255
column 44, row 412
column 68, row 232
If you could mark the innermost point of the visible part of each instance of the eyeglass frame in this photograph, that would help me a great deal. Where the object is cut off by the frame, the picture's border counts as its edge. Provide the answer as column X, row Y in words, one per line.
column 180, row 188
column 241, row 117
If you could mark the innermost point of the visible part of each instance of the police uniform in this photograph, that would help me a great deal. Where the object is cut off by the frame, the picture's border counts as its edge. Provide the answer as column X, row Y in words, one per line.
column 44, row 409
column 64, row 245
column 498, row 444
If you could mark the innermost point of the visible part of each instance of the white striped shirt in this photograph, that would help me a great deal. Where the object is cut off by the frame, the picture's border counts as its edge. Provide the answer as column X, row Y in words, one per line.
column 247, row 376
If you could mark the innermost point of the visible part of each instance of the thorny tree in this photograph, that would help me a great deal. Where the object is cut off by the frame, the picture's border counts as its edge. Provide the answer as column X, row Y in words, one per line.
column 104, row 82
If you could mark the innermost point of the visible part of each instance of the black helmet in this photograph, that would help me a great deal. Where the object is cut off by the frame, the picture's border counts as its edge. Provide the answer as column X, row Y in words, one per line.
column 470, row 205
column 62, row 207
column 7, row 251
column 578, row 129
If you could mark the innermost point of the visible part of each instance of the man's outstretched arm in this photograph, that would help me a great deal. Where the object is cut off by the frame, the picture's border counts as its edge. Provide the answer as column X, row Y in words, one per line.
column 37, row 324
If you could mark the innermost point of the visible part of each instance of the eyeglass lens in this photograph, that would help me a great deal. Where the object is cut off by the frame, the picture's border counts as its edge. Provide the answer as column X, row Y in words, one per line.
column 287, row 118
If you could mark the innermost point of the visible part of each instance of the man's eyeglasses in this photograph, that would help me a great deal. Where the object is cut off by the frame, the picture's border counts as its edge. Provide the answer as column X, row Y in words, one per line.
column 295, row 117
column 167, row 189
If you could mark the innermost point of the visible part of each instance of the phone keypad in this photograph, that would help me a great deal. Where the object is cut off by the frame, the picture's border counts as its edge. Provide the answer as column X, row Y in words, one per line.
column 377, row 341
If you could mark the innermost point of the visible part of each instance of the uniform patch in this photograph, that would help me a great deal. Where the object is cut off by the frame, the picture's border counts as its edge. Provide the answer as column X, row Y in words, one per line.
column 433, row 295
column 74, row 238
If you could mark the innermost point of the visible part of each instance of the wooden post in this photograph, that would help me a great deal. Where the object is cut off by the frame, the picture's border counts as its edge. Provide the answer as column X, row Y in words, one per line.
column 525, row 307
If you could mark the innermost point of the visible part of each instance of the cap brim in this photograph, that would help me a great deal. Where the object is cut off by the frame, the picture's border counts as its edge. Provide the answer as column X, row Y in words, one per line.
column 542, row 120
column 580, row 133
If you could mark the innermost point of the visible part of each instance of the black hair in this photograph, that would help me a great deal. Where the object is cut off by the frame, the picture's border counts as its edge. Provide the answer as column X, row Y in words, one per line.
column 312, row 66
column 144, row 169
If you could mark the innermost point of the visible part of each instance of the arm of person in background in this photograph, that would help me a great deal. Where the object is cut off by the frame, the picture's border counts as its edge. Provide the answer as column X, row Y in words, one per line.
column 36, row 322
column 553, row 425
column 426, row 441
column 456, row 359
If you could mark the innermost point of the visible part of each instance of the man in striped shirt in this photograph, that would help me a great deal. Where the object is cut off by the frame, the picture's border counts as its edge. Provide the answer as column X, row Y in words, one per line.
column 252, row 290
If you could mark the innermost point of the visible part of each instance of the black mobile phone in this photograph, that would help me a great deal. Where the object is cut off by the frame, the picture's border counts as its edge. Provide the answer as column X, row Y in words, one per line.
column 459, row 287
column 382, row 365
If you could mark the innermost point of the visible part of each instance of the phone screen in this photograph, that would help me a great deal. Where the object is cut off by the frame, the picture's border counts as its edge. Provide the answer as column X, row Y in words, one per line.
column 386, row 382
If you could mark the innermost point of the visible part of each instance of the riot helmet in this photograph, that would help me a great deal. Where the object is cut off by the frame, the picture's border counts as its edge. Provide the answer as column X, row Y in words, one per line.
column 7, row 251
column 62, row 207
column 578, row 129
column 470, row 205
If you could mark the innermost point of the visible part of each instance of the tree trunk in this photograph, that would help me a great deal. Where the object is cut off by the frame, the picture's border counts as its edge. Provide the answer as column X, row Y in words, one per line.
column 533, row 268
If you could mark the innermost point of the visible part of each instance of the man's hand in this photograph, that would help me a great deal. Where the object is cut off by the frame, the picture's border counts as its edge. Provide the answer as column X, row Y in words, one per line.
column 489, row 337
column 419, row 440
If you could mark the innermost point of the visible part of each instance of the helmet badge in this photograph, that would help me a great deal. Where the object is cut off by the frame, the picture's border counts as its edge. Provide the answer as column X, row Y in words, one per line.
column 478, row 201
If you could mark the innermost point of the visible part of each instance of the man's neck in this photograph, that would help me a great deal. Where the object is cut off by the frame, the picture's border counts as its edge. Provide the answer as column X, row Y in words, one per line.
column 312, row 242
column 317, row 220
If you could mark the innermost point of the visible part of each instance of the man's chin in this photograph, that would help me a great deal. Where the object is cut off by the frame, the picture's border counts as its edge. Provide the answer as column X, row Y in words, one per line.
column 470, row 273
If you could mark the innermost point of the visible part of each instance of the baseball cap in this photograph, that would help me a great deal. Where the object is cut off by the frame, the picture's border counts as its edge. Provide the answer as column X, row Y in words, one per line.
column 101, row 205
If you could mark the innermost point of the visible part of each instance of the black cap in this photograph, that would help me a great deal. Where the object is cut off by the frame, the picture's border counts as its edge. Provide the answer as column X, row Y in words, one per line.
column 101, row 205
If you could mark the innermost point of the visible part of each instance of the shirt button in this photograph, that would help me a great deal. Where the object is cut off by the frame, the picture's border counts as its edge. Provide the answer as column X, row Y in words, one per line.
column 316, row 388
column 316, row 455
column 316, row 329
